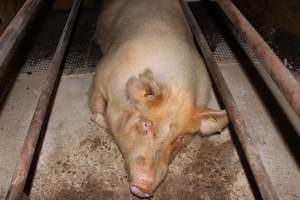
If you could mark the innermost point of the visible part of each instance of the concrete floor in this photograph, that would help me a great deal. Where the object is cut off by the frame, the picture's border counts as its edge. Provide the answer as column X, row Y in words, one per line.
column 79, row 160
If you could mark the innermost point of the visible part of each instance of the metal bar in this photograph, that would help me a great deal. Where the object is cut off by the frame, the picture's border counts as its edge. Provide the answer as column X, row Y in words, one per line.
column 14, row 33
column 285, row 81
column 280, row 98
column 41, row 112
column 260, row 175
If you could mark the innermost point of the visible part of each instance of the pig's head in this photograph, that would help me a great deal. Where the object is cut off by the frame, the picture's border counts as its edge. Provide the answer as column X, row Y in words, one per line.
column 155, row 128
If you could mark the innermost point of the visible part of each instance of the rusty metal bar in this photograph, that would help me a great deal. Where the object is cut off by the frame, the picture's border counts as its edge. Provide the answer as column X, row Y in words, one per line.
column 14, row 33
column 280, row 98
column 285, row 81
column 260, row 174
column 41, row 113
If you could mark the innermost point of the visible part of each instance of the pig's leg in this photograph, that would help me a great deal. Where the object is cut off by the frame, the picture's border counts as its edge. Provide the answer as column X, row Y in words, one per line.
column 97, row 104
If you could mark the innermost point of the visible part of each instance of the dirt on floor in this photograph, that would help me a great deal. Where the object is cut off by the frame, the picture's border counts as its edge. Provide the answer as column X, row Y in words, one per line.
column 93, row 169
column 79, row 160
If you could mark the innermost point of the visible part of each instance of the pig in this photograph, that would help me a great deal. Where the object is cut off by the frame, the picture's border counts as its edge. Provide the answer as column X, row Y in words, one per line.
column 151, row 87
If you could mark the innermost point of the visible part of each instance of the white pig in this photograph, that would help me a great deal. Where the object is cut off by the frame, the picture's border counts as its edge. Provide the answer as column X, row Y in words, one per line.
column 151, row 88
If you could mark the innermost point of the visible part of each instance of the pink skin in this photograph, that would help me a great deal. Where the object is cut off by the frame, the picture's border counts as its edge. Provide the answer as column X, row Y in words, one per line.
column 148, row 155
column 151, row 88
column 150, row 131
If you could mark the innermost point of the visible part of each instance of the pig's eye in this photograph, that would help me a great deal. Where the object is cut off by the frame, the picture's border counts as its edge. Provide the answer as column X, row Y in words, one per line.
column 145, row 127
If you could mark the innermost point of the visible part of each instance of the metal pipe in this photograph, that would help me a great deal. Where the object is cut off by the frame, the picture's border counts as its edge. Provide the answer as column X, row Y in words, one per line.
column 14, row 33
column 41, row 113
column 260, row 174
column 282, row 101
column 285, row 81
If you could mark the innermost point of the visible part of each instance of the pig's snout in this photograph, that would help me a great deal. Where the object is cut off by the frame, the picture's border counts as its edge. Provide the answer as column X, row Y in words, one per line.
column 139, row 192
column 142, row 185
column 144, row 182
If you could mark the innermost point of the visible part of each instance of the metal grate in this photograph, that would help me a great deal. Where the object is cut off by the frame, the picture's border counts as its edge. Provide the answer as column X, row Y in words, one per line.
column 83, row 52
column 224, row 53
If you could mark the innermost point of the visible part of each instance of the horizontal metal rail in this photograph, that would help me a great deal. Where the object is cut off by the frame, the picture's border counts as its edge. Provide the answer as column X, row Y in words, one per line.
column 260, row 175
column 14, row 33
column 42, row 110
column 283, row 78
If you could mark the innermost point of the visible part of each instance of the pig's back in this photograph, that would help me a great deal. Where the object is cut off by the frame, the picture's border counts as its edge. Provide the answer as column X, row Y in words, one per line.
column 123, row 20
column 153, row 35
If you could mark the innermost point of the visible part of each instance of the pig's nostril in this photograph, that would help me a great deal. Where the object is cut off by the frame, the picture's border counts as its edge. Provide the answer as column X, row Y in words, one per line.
column 139, row 192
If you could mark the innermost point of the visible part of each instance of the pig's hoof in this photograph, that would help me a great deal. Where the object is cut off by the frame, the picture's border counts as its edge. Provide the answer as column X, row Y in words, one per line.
column 98, row 119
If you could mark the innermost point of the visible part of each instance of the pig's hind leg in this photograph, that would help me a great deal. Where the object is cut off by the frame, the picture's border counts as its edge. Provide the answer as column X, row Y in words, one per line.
column 97, row 104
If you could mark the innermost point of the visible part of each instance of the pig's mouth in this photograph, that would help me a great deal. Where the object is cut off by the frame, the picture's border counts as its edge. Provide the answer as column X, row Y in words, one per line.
column 142, row 185
column 139, row 192
column 145, row 178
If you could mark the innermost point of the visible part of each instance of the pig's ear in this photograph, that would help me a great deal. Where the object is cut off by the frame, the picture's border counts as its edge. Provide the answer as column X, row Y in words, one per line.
column 211, row 121
column 144, row 88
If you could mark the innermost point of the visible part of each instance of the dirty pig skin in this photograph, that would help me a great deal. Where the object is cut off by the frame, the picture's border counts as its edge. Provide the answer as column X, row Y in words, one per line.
column 151, row 88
